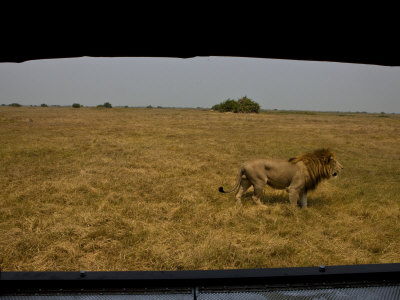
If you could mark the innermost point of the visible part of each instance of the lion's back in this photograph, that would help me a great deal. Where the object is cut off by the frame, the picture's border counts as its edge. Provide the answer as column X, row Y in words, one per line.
column 276, row 172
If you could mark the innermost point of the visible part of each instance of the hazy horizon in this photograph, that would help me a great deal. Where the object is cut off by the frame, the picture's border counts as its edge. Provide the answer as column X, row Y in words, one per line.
column 202, row 82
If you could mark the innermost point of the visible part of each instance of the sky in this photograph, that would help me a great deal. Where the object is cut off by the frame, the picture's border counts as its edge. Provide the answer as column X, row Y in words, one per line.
column 202, row 82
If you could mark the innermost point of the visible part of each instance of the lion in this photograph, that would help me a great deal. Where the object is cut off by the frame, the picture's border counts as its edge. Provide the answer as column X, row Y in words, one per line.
column 297, row 175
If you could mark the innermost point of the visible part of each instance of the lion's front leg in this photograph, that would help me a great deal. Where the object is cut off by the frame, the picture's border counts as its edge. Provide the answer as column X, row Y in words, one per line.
column 297, row 197
column 294, row 196
column 297, row 192
column 303, row 200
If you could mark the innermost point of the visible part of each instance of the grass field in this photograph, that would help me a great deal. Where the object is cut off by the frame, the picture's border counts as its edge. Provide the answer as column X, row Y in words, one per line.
column 137, row 189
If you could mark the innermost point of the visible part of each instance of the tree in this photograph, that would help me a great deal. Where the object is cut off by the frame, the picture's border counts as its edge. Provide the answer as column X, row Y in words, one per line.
column 106, row 105
column 243, row 105
column 228, row 105
column 43, row 105
column 76, row 105
column 246, row 105
column 215, row 107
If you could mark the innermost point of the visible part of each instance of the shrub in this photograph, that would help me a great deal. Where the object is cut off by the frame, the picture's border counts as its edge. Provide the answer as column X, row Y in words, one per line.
column 243, row 105
column 15, row 105
column 76, row 105
column 215, row 107
column 106, row 105
column 246, row 105
column 43, row 105
column 228, row 105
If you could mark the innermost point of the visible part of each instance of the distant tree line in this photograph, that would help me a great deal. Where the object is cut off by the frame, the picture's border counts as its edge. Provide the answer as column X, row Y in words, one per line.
column 15, row 104
column 242, row 105
column 74, row 105
column 106, row 105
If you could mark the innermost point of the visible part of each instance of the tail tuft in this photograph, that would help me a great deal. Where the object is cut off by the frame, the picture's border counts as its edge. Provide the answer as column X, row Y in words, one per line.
column 221, row 189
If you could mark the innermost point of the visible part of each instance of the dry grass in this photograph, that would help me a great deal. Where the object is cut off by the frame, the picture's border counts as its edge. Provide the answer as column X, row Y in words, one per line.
column 137, row 189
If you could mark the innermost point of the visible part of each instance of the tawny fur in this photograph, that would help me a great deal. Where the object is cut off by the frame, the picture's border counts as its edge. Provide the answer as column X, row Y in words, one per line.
column 297, row 176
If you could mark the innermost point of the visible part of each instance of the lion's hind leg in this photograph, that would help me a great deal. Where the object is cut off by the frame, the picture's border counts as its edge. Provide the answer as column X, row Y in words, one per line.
column 258, row 191
column 244, row 186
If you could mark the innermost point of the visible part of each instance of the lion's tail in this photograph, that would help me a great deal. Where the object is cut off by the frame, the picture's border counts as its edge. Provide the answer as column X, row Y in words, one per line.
column 238, row 180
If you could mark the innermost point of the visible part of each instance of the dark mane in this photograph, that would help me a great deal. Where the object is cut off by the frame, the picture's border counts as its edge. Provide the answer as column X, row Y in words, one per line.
column 318, row 166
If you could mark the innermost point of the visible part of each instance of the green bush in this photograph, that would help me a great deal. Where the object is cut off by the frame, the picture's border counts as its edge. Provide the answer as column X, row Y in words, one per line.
column 243, row 105
column 15, row 105
column 246, row 105
column 43, row 105
column 76, row 105
column 106, row 105
column 215, row 107
column 228, row 105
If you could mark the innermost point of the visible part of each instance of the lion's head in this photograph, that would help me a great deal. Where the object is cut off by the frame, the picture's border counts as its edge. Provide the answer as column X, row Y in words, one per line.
column 320, row 164
column 336, row 167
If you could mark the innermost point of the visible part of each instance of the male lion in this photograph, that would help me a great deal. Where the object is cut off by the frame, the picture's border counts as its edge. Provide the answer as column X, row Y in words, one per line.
column 298, row 175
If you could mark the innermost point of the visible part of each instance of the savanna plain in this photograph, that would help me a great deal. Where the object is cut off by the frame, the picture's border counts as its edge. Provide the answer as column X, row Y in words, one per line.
column 120, row 189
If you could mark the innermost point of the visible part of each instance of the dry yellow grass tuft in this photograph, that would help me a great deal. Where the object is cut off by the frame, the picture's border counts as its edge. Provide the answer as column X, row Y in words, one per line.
column 137, row 189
